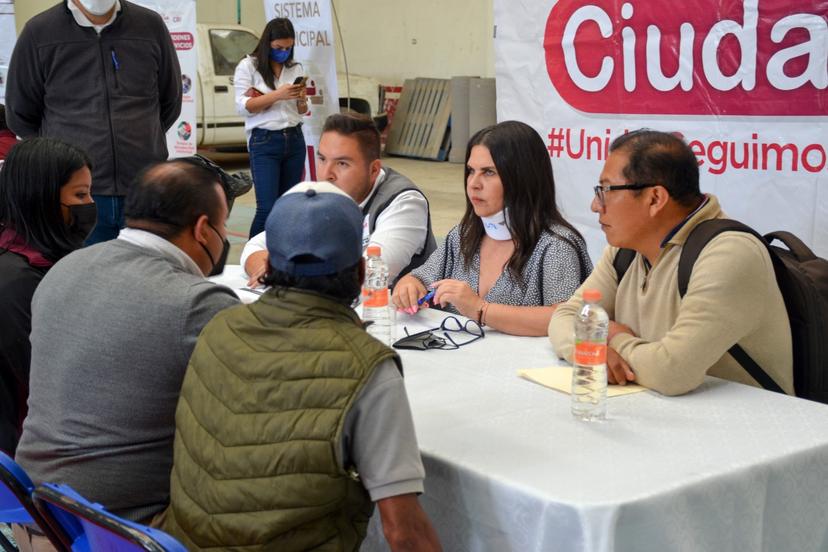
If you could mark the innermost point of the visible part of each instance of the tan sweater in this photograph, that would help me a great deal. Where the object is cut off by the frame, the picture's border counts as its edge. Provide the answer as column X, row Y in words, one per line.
column 732, row 297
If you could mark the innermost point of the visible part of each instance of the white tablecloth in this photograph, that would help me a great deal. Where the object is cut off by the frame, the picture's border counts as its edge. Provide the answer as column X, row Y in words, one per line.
column 234, row 278
column 728, row 467
column 725, row 468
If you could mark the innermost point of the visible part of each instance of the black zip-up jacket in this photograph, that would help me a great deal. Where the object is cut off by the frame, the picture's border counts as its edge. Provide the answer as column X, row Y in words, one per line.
column 113, row 95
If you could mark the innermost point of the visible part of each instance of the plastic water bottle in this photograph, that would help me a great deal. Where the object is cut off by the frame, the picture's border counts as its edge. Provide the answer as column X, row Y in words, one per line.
column 589, row 374
column 375, row 296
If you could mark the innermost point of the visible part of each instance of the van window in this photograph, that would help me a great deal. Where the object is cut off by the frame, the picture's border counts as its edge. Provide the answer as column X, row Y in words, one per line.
column 229, row 46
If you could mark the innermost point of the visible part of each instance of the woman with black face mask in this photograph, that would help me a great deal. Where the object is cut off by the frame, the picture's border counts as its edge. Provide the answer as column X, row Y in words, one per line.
column 46, row 212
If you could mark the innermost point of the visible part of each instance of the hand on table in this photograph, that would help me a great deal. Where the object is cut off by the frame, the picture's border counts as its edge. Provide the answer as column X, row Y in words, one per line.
column 618, row 371
column 256, row 266
column 459, row 294
column 406, row 294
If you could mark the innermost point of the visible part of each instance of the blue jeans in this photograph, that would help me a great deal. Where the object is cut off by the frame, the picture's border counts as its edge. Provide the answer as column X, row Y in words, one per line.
column 277, row 159
column 110, row 218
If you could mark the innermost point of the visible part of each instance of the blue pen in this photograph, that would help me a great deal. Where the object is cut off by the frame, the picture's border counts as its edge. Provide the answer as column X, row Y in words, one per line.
column 115, row 62
column 427, row 297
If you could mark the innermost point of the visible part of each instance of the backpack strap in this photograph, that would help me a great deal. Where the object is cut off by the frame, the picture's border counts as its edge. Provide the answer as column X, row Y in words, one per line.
column 696, row 241
column 622, row 261
column 796, row 246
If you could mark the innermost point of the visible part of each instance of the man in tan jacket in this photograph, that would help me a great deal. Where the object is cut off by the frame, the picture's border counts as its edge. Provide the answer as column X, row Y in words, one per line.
column 648, row 200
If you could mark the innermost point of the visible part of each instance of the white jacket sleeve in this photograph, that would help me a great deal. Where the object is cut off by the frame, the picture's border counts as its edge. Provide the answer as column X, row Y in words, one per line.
column 242, row 81
column 401, row 230
column 254, row 244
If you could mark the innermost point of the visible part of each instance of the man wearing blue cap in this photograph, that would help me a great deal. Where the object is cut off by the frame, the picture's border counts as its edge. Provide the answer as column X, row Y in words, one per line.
column 292, row 420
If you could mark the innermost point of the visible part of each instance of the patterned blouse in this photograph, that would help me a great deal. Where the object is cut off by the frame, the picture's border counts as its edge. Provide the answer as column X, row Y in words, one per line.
column 551, row 274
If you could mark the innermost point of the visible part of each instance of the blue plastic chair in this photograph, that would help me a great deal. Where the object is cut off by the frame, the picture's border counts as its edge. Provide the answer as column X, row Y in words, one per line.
column 17, row 506
column 91, row 528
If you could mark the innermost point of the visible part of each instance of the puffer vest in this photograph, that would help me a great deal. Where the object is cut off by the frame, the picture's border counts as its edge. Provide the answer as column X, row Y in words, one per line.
column 259, row 424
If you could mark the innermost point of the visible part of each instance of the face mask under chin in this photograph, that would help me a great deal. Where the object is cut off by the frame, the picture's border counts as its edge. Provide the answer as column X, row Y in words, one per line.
column 497, row 225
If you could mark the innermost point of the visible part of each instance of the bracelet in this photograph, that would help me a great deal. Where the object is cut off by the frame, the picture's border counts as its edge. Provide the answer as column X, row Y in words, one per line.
column 481, row 313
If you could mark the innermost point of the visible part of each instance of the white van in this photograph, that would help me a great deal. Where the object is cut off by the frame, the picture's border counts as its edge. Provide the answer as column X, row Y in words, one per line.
column 220, row 48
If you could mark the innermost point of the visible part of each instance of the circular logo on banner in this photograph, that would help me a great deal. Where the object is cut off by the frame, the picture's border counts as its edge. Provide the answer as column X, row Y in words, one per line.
column 186, row 83
column 185, row 130
column 694, row 58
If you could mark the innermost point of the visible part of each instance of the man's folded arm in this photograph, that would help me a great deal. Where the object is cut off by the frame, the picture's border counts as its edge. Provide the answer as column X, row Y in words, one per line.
column 562, row 324
column 722, row 305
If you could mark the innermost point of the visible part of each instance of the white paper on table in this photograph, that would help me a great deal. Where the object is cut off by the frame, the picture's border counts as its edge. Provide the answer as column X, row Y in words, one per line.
column 560, row 379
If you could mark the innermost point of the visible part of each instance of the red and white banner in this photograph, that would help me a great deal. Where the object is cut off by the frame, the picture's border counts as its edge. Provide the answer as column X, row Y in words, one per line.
column 8, row 36
column 744, row 81
column 314, row 49
column 180, row 17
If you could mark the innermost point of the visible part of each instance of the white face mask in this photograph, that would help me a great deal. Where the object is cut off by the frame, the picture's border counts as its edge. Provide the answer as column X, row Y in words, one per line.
column 97, row 7
column 496, row 226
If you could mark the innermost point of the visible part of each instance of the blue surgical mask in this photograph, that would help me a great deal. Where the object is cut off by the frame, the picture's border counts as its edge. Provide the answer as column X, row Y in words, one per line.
column 280, row 56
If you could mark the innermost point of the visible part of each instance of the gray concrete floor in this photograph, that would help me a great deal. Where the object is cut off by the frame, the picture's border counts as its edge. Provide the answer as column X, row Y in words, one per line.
column 441, row 182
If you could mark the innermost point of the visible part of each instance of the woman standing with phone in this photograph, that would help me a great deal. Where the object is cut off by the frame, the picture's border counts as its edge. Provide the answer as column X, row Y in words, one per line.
column 270, row 93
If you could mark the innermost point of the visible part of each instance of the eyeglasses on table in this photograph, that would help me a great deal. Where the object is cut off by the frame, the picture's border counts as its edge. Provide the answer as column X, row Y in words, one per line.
column 451, row 328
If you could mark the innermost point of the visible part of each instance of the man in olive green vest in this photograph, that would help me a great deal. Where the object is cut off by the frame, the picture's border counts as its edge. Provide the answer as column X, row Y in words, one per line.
column 292, row 420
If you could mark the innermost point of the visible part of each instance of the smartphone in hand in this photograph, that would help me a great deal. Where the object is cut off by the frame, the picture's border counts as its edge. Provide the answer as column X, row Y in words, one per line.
column 300, row 80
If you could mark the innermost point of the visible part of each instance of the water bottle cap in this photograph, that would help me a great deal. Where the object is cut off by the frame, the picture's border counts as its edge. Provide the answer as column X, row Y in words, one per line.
column 592, row 295
column 374, row 251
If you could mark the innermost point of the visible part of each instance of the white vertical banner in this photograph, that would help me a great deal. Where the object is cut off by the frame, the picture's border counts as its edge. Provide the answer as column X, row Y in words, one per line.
column 180, row 17
column 8, row 35
column 745, row 82
column 314, row 49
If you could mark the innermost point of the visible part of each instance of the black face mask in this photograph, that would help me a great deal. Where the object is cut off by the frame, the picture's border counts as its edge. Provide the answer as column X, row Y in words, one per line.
column 218, row 266
column 84, row 218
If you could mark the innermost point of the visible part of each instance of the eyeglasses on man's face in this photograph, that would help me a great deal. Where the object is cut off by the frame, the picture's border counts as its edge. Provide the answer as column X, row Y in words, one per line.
column 601, row 190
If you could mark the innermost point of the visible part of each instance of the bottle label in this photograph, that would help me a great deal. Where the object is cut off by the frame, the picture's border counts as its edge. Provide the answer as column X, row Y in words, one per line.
column 375, row 297
column 588, row 353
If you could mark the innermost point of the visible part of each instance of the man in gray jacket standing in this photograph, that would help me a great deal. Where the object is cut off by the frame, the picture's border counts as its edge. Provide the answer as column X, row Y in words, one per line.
column 102, row 75
column 113, row 327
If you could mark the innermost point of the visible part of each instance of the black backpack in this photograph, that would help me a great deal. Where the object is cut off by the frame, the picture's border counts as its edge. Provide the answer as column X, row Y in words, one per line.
column 803, row 281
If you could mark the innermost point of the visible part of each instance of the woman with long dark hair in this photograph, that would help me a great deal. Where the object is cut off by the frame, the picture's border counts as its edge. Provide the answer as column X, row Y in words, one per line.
column 513, row 257
column 46, row 212
column 270, row 93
